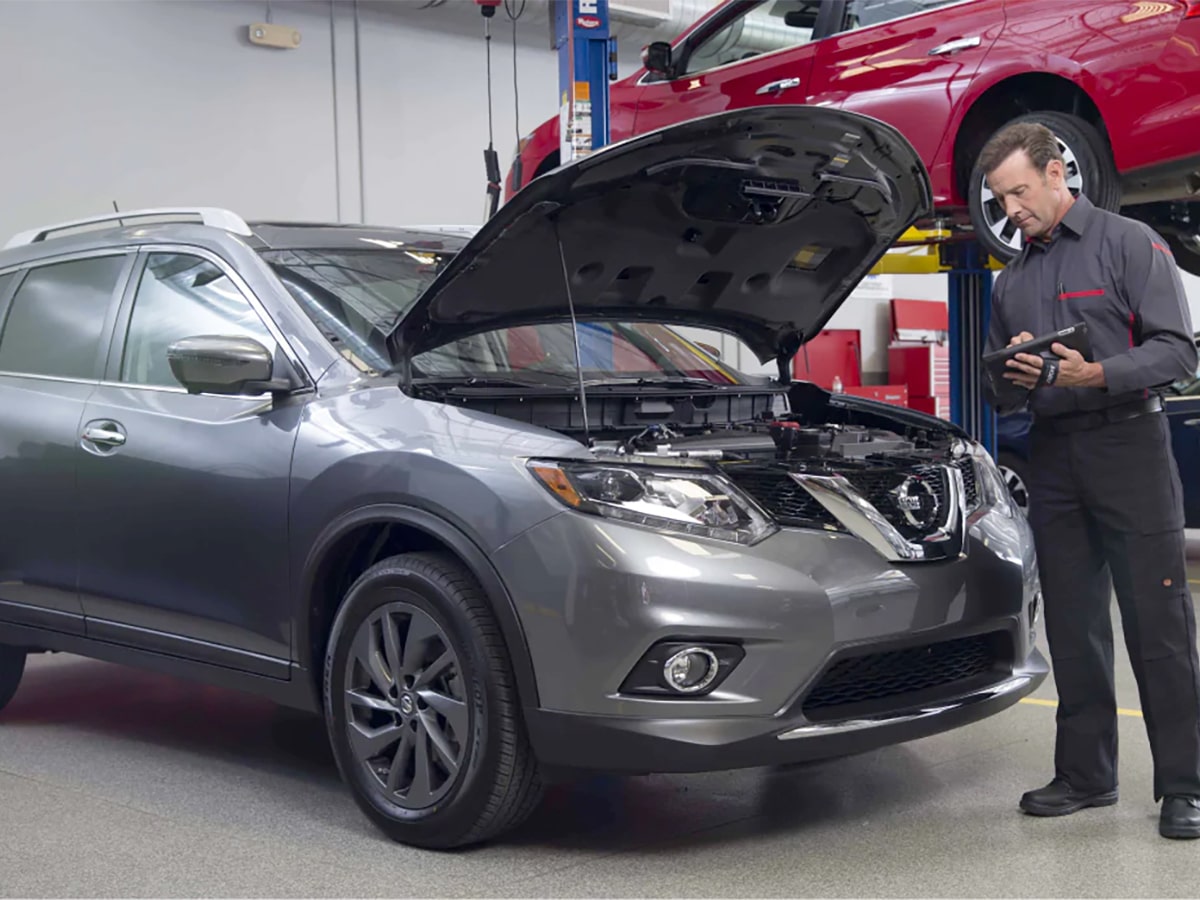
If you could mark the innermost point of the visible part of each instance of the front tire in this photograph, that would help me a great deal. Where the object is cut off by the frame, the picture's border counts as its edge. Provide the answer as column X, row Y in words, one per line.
column 1090, row 170
column 421, row 706
column 12, row 668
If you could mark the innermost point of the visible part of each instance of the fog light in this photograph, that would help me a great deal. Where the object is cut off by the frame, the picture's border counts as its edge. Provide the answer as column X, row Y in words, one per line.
column 691, row 670
column 683, row 669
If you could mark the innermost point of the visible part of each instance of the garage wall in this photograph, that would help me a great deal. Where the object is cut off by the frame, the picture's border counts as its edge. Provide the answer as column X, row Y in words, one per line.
column 425, row 120
column 153, row 104
column 164, row 103
column 157, row 103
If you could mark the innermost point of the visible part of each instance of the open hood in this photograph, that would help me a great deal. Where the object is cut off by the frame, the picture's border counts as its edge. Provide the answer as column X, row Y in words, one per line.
column 758, row 222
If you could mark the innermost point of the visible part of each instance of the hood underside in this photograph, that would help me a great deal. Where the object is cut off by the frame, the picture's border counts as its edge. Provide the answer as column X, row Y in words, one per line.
column 758, row 222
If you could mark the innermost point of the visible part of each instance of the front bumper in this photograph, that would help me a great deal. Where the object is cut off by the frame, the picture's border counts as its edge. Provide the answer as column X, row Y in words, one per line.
column 595, row 596
column 636, row 745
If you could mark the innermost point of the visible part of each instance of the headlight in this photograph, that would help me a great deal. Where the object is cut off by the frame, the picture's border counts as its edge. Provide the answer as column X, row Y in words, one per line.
column 993, row 492
column 700, row 503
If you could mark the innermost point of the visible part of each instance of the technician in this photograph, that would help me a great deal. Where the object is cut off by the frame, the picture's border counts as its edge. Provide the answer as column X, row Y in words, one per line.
column 1105, row 497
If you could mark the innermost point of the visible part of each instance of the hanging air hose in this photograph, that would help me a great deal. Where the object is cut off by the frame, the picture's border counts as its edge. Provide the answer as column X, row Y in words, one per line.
column 491, row 160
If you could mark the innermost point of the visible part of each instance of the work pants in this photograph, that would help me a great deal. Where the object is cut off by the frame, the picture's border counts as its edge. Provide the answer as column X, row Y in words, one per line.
column 1106, row 508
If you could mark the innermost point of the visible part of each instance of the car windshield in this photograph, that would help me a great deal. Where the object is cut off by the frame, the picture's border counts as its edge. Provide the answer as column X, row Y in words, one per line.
column 608, row 351
column 356, row 297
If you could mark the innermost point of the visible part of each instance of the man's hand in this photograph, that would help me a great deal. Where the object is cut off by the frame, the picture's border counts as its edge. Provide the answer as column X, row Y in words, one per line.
column 1070, row 370
column 1025, row 368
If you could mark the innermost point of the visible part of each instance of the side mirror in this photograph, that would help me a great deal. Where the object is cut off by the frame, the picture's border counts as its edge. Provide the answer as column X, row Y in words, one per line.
column 213, row 364
column 800, row 18
column 656, row 57
column 710, row 350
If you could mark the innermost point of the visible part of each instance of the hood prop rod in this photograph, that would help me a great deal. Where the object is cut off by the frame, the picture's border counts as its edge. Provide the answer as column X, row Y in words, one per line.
column 562, row 256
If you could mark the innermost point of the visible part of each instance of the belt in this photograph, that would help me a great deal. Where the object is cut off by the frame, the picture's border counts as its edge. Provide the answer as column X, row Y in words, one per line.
column 1081, row 421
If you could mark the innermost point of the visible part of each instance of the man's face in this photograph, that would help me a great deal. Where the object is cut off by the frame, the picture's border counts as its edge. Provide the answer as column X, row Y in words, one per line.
column 1032, row 200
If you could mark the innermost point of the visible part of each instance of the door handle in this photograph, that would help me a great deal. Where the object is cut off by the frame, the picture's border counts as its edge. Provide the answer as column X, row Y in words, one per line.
column 955, row 46
column 775, row 87
column 104, row 434
column 1191, row 423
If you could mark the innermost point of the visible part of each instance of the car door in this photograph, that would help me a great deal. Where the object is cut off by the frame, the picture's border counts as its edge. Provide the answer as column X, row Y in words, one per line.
column 55, row 319
column 1183, row 414
column 185, row 496
column 755, row 54
column 906, row 62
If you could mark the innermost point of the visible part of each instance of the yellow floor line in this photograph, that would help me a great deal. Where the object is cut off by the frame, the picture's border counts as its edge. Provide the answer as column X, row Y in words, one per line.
column 1194, row 581
column 1037, row 701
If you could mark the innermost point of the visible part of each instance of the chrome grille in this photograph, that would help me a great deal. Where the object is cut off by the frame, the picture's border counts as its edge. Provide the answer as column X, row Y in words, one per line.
column 771, row 485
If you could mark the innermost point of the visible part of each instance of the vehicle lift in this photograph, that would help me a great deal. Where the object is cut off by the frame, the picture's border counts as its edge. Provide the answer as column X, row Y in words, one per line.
column 587, row 62
column 970, row 272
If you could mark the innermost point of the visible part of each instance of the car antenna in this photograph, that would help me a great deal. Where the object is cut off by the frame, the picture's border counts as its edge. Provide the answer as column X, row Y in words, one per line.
column 119, row 222
column 587, row 431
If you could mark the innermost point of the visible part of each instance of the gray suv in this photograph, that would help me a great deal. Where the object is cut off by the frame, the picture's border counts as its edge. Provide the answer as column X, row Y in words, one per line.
column 480, row 505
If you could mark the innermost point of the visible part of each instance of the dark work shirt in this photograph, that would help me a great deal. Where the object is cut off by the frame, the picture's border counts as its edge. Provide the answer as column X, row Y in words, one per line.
column 1115, row 274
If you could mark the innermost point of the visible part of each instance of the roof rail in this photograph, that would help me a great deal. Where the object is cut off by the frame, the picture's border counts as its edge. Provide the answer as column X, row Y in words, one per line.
column 208, row 215
column 463, row 230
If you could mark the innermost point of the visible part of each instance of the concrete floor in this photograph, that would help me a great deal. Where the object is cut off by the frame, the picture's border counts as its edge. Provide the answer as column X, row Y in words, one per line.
column 119, row 782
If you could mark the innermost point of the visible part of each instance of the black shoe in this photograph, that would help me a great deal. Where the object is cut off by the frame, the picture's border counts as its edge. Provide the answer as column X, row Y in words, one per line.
column 1059, row 799
column 1180, row 817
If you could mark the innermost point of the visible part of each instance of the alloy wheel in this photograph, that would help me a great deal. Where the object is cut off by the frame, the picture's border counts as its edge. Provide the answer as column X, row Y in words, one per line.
column 1016, row 487
column 407, row 719
column 993, row 211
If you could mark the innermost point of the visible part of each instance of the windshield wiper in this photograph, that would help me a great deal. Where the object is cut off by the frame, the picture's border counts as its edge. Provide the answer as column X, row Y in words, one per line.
column 681, row 381
column 452, row 381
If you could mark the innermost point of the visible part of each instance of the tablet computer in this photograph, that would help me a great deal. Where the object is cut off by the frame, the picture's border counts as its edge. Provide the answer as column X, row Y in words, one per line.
column 995, row 364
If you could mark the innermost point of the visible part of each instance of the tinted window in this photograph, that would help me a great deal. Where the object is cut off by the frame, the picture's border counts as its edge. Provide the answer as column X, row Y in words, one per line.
column 865, row 13
column 769, row 26
column 180, row 295
column 57, row 316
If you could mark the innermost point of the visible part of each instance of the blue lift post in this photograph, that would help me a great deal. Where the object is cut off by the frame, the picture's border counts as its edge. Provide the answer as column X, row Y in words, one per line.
column 586, row 64
column 970, row 305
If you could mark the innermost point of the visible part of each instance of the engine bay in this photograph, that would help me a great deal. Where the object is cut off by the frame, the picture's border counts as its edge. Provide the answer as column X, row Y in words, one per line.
column 893, row 458
column 821, row 433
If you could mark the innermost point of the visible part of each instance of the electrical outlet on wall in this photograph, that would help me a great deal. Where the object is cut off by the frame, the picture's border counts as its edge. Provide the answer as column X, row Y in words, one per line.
column 265, row 34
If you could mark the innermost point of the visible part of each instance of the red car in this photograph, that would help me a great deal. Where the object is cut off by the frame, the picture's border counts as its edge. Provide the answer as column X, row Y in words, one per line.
column 1117, row 80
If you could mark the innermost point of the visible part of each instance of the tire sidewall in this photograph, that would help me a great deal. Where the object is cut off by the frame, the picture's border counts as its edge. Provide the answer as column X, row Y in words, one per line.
column 1100, row 181
column 462, row 805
